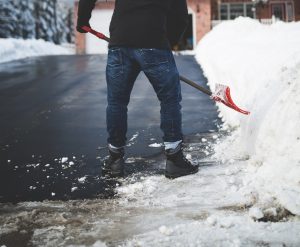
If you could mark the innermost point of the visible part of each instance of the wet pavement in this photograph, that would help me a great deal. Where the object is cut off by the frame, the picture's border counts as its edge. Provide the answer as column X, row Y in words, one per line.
column 53, row 133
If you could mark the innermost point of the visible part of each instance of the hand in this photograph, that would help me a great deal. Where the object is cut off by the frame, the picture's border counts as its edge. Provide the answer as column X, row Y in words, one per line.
column 79, row 27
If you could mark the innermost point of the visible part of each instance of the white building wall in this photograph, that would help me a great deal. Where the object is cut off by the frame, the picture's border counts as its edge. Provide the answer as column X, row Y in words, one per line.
column 100, row 22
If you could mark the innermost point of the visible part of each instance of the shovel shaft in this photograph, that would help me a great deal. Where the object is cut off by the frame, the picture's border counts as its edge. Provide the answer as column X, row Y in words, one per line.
column 195, row 85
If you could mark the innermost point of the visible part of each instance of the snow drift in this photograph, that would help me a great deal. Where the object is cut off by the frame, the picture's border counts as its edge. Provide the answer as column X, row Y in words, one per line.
column 12, row 49
column 261, row 64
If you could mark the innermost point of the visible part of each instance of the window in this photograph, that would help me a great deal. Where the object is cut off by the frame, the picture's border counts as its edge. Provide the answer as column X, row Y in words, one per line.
column 236, row 10
column 250, row 10
column 230, row 11
column 224, row 11
column 278, row 11
column 289, row 12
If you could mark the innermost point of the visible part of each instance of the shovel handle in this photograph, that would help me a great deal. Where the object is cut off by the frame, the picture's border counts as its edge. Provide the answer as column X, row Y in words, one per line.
column 195, row 85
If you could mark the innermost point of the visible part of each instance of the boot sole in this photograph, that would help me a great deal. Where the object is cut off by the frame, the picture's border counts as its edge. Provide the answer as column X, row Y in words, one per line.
column 177, row 175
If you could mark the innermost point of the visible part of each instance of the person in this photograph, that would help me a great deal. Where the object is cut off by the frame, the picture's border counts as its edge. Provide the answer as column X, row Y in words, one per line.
column 142, row 33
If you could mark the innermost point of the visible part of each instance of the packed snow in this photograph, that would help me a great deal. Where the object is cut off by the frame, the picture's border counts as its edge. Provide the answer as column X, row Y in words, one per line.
column 13, row 49
column 261, row 64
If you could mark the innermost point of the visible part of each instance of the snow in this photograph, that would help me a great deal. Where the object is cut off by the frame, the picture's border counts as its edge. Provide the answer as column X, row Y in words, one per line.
column 248, row 181
column 261, row 64
column 256, row 213
column 64, row 159
column 211, row 220
column 99, row 244
column 155, row 145
column 82, row 180
column 12, row 49
column 133, row 139
column 165, row 231
column 74, row 188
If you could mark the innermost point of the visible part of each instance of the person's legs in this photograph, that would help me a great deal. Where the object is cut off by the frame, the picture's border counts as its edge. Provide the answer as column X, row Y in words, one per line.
column 121, row 73
column 160, row 68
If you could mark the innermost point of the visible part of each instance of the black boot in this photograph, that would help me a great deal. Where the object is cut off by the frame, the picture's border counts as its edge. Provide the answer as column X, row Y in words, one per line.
column 113, row 165
column 177, row 165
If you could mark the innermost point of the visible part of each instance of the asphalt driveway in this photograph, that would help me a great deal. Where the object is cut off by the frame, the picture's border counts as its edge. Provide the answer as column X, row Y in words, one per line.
column 53, row 133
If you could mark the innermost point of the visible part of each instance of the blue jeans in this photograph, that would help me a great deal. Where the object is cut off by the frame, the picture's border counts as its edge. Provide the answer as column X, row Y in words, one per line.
column 123, row 66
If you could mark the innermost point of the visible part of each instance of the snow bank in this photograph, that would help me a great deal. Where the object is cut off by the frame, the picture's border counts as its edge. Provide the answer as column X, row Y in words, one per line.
column 261, row 64
column 12, row 49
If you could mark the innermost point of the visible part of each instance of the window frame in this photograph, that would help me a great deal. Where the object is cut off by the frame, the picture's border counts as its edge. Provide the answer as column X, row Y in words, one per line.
column 291, row 4
column 228, row 6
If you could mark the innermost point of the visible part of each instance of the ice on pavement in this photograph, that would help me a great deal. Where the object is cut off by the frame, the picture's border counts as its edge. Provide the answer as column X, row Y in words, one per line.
column 245, row 194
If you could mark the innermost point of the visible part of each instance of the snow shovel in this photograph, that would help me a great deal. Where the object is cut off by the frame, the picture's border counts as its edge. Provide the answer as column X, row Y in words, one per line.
column 221, row 94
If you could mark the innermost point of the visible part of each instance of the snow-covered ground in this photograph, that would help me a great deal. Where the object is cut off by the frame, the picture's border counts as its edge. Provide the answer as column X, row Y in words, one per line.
column 247, row 190
column 12, row 49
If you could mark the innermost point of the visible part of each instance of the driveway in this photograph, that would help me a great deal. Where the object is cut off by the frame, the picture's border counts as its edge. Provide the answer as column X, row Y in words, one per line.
column 53, row 133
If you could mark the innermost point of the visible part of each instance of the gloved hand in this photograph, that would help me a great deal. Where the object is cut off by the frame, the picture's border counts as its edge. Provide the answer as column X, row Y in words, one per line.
column 80, row 25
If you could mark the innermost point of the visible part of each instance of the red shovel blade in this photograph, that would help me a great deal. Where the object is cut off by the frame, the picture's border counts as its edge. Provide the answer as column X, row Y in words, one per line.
column 222, row 95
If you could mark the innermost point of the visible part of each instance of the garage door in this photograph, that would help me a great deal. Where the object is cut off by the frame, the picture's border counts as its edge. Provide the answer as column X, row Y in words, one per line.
column 100, row 21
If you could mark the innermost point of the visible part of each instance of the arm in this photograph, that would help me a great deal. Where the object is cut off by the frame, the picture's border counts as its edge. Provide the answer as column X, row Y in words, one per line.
column 177, row 20
column 85, row 8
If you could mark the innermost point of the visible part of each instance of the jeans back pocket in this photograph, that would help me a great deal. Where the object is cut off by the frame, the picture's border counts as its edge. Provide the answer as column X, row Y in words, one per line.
column 114, row 63
column 155, row 61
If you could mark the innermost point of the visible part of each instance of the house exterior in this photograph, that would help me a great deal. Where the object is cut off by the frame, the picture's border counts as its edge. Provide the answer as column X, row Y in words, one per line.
column 203, row 15
column 284, row 10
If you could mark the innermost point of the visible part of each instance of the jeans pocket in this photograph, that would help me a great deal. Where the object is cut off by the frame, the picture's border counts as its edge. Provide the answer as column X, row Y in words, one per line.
column 114, row 66
column 155, row 56
column 156, row 61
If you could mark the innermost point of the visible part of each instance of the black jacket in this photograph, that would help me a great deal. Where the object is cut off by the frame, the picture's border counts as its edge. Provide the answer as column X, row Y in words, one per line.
column 141, row 23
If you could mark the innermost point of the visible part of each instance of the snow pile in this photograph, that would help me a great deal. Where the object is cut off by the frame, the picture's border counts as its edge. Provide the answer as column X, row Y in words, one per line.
column 261, row 64
column 12, row 49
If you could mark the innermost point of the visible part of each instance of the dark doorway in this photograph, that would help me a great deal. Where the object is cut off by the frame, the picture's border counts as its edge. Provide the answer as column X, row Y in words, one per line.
column 278, row 11
column 187, row 41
